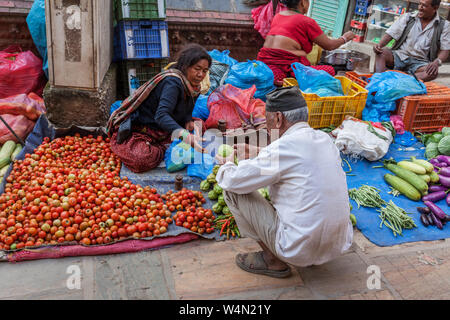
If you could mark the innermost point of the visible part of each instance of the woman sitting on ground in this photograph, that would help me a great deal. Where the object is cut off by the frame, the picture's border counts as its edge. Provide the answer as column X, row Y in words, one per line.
column 291, row 38
column 160, row 111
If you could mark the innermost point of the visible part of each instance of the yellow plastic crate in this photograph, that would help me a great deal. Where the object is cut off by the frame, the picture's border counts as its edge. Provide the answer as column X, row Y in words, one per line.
column 327, row 111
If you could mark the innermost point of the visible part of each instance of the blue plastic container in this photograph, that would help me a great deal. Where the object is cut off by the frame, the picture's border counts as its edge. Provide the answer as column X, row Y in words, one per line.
column 141, row 39
column 362, row 7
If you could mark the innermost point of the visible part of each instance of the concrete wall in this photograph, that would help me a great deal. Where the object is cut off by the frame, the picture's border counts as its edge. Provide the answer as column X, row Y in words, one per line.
column 235, row 6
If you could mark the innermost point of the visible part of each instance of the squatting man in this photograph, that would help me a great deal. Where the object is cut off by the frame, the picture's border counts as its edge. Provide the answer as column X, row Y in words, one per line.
column 307, row 221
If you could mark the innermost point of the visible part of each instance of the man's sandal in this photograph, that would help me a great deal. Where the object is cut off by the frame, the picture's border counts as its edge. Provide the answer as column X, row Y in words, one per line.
column 254, row 263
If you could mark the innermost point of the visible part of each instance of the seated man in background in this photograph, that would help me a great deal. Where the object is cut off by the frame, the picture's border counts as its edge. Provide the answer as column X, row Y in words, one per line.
column 422, row 43
column 309, row 221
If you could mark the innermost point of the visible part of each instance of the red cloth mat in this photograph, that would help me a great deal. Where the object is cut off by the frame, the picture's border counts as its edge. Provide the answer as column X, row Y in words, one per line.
column 128, row 246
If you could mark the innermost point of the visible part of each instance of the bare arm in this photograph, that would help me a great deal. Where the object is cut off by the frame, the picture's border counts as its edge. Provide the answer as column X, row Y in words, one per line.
column 330, row 44
column 378, row 48
column 443, row 55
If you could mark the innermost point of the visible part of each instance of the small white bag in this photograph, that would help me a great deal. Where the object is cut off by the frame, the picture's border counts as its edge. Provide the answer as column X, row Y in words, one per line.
column 354, row 137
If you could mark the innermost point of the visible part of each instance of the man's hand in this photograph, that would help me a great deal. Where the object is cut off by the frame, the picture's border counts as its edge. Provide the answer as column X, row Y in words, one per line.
column 432, row 68
column 348, row 36
column 378, row 49
column 221, row 160
column 245, row 151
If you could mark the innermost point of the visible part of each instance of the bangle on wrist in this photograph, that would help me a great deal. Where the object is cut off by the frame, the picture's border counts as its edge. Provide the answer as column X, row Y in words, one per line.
column 343, row 38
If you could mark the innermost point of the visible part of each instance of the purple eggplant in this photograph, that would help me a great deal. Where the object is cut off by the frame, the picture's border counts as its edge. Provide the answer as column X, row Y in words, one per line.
column 435, row 210
column 435, row 196
column 436, row 221
column 445, row 171
column 434, row 161
column 430, row 219
column 441, row 165
column 437, row 188
column 445, row 181
column 445, row 159
column 424, row 220
column 448, row 199
column 424, row 210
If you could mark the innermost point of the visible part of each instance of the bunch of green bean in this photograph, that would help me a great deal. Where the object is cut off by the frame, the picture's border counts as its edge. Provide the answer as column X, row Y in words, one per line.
column 366, row 196
column 395, row 218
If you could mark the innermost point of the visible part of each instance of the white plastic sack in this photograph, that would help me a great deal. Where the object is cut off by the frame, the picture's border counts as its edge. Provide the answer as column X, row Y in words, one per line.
column 353, row 137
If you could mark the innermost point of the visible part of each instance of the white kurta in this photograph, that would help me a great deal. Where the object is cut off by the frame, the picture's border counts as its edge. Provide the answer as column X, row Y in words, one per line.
column 308, row 188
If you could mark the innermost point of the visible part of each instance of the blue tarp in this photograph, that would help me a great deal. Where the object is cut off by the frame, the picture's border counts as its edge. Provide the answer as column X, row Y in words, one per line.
column 368, row 221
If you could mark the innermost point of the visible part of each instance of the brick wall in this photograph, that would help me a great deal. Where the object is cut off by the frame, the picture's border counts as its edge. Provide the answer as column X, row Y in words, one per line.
column 16, row 6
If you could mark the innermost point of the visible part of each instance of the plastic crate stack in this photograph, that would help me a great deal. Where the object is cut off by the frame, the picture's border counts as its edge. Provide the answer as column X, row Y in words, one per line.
column 141, row 42
column 359, row 21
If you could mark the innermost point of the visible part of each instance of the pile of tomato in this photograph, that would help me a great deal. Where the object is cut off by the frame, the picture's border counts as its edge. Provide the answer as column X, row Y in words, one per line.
column 69, row 190
column 190, row 213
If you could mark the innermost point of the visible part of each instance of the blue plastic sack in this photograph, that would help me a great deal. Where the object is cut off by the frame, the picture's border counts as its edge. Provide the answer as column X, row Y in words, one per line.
column 315, row 81
column 384, row 90
column 244, row 75
column 116, row 105
column 406, row 140
column 223, row 57
column 36, row 25
column 178, row 156
column 201, row 108
column 202, row 166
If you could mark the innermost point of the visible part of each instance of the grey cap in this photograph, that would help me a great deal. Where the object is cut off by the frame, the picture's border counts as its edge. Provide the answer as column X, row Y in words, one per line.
column 285, row 99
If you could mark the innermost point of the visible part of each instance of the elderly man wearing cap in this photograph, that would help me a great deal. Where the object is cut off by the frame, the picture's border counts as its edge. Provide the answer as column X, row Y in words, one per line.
column 308, row 221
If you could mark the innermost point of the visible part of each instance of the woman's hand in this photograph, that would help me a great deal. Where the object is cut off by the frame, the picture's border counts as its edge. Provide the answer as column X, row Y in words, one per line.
column 246, row 151
column 349, row 35
column 195, row 142
column 190, row 126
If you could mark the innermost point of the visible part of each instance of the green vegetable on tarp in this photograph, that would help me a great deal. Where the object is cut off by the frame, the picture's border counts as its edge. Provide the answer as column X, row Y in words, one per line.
column 436, row 137
column 221, row 200
column 444, row 146
column 431, row 151
column 226, row 210
column 225, row 150
column 212, row 195
column 353, row 219
column 217, row 189
column 217, row 208
column 366, row 196
column 211, row 178
column 446, row 131
column 216, row 169
column 205, row 185
column 395, row 218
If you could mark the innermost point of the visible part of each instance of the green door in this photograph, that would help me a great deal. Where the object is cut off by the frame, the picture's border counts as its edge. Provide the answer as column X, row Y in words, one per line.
column 330, row 15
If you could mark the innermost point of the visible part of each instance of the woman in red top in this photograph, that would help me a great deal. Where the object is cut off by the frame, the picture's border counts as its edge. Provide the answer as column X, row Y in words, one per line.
column 291, row 38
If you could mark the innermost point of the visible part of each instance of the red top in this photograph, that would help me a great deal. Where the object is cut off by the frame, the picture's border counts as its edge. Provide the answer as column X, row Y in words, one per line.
column 298, row 27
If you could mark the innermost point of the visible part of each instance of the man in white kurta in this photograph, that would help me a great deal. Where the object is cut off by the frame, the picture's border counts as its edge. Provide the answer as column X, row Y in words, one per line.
column 308, row 221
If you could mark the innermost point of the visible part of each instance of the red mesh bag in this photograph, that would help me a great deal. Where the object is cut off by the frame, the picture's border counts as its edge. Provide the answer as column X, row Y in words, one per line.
column 236, row 106
column 20, row 72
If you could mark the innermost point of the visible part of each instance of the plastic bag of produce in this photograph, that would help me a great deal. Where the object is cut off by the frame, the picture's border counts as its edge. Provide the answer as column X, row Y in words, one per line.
column 178, row 156
column 202, row 166
column 201, row 110
column 20, row 72
column 244, row 75
column 363, row 139
column 315, row 81
column 235, row 106
column 223, row 57
column 36, row 25
column 20, row 112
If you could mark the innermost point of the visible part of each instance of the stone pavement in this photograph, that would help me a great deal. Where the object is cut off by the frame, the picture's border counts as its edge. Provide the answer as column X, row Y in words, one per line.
column 205, row 269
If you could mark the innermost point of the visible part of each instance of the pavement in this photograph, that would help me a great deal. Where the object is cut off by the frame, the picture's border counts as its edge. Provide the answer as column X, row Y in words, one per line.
column 205, row 270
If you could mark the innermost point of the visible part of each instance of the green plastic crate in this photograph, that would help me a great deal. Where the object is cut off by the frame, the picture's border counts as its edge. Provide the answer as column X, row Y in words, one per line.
column 134, row 73
column 140, row 9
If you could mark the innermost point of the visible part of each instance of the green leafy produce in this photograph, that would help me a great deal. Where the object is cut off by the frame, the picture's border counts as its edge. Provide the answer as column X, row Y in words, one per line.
column 211, row 178
column 225, row 150
column 436, row 137
column 216, row 169
column 221, row 200
column 217, row 208
column 217, row 189
column 212, row 195
column 446, row 131
column 444, row 146
column 205, row 185
column 431, row 150
column 265, row 193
